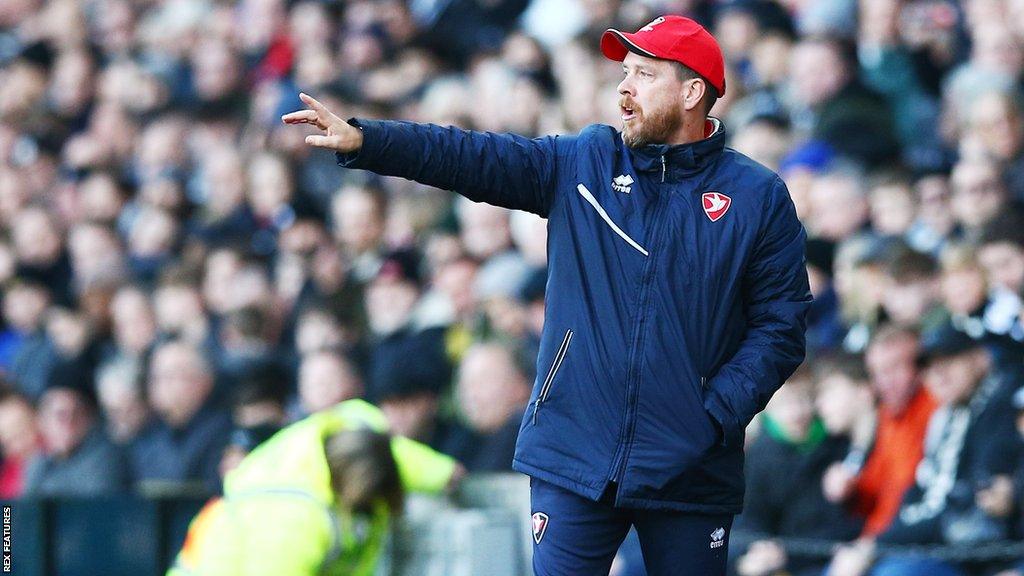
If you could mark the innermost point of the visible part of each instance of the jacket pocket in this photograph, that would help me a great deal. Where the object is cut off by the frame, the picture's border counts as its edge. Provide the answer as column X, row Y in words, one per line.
column 712, row 423
column 556, row 363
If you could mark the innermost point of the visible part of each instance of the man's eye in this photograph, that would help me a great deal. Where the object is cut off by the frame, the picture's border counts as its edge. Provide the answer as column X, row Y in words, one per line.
column 646, row 74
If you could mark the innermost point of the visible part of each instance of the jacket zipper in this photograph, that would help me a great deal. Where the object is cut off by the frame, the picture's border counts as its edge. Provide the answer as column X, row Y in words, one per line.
column 545, row 388
column 629, row 423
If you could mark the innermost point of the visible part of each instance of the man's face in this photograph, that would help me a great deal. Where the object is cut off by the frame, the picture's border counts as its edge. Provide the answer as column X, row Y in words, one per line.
column 410, row 416
column 839, row 403
column 489, row 388
column 484, row 228
column 358, row 221
column 317, row 331
column 817, row 72
column 650, row 100
column 24, row 307
column 455, row 281
column 978, row 195
column 63, row 420
column 36, row 240
column 893, row 371
column 17, row 428
column 1003, row 263
column 953, row 379
column 792, row 408
column 270, row 185
column 178, row 383
column 124, row 409
column 998, row 125
column 838, row 206
column 906, row 302
column 324, row 381
column 389, row 304
column 134, row 323
column 963, row 290
column 893, row 209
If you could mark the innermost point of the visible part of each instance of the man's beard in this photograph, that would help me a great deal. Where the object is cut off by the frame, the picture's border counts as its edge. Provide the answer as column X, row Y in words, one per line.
column 651, row 128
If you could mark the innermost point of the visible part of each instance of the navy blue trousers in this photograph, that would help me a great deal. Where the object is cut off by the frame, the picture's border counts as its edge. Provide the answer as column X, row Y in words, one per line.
column 579, row 537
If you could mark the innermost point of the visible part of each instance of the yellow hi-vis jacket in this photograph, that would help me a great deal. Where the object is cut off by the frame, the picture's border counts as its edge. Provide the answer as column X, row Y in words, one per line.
column 278, row 515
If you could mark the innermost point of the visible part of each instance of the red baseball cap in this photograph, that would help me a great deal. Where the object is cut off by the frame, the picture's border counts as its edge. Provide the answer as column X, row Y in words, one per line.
column 671, row 38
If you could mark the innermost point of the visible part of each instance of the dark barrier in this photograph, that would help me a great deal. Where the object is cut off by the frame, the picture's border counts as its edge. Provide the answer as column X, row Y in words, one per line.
column 97, row 536
column 956, row 553
column 486, row 531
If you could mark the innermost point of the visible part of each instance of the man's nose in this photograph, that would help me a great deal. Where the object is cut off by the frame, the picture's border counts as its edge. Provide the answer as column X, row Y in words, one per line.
column 626, row 87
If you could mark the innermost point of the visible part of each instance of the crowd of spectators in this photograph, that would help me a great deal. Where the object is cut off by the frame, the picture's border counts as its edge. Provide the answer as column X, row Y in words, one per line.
column 181, row 276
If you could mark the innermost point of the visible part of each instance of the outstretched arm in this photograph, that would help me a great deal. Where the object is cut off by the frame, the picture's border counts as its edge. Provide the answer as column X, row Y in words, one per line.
column 501, row 169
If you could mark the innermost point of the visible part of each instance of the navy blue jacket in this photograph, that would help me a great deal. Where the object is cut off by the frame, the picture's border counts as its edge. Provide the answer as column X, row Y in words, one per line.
column 665, row 332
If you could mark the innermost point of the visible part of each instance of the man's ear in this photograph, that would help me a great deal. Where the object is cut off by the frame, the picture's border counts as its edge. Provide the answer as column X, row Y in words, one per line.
column 693, row 93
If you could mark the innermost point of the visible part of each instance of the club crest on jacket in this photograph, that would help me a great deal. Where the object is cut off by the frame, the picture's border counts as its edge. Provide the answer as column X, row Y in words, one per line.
column 716, row 205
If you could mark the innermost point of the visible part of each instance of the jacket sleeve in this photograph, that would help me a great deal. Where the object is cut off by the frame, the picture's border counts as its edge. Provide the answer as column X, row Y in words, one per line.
column 776, row 299
column 501, row 169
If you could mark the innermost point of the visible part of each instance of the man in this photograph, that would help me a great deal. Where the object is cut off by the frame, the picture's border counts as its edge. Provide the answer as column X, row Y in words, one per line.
column 326, row 378
column 875, row 487
column 492, row 393
column 967, row 460
column 122, row 402
column 411, row 403
column 676, row 302
column 997, row 120
column 833, row 106
column 358, row 214
column 1000, row 253
column 911, row 294
column 784, row 499
column 20, row 442
column 968, row 439
column 979, row 195
column 186, row 444
column 79, row 460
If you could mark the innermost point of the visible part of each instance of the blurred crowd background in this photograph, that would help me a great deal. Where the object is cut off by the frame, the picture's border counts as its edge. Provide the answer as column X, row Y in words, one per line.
column 181, row 276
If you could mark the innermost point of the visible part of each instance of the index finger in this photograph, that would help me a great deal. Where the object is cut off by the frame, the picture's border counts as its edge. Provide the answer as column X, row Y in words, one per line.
column 314, row 104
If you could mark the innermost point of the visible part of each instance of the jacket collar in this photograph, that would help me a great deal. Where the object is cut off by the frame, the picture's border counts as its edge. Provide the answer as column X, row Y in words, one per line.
column 688, row 157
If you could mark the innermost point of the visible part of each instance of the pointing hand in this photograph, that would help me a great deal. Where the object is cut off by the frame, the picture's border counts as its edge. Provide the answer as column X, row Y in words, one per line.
column 340, row 135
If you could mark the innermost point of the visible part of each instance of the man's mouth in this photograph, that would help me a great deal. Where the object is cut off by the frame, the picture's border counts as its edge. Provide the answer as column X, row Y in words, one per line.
column 627, row 113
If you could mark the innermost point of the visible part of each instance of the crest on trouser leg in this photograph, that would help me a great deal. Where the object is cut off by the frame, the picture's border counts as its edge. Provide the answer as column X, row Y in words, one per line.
column 540, row 525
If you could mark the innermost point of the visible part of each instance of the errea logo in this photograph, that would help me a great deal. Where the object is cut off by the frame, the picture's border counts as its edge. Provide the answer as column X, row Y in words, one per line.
column 622, row 183
column 718, row 538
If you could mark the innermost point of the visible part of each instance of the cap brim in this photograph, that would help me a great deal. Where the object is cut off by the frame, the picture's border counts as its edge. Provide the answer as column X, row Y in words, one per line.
column 615, row 45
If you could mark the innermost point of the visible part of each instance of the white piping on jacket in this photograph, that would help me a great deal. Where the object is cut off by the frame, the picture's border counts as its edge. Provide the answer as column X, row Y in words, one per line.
column 600, row 210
